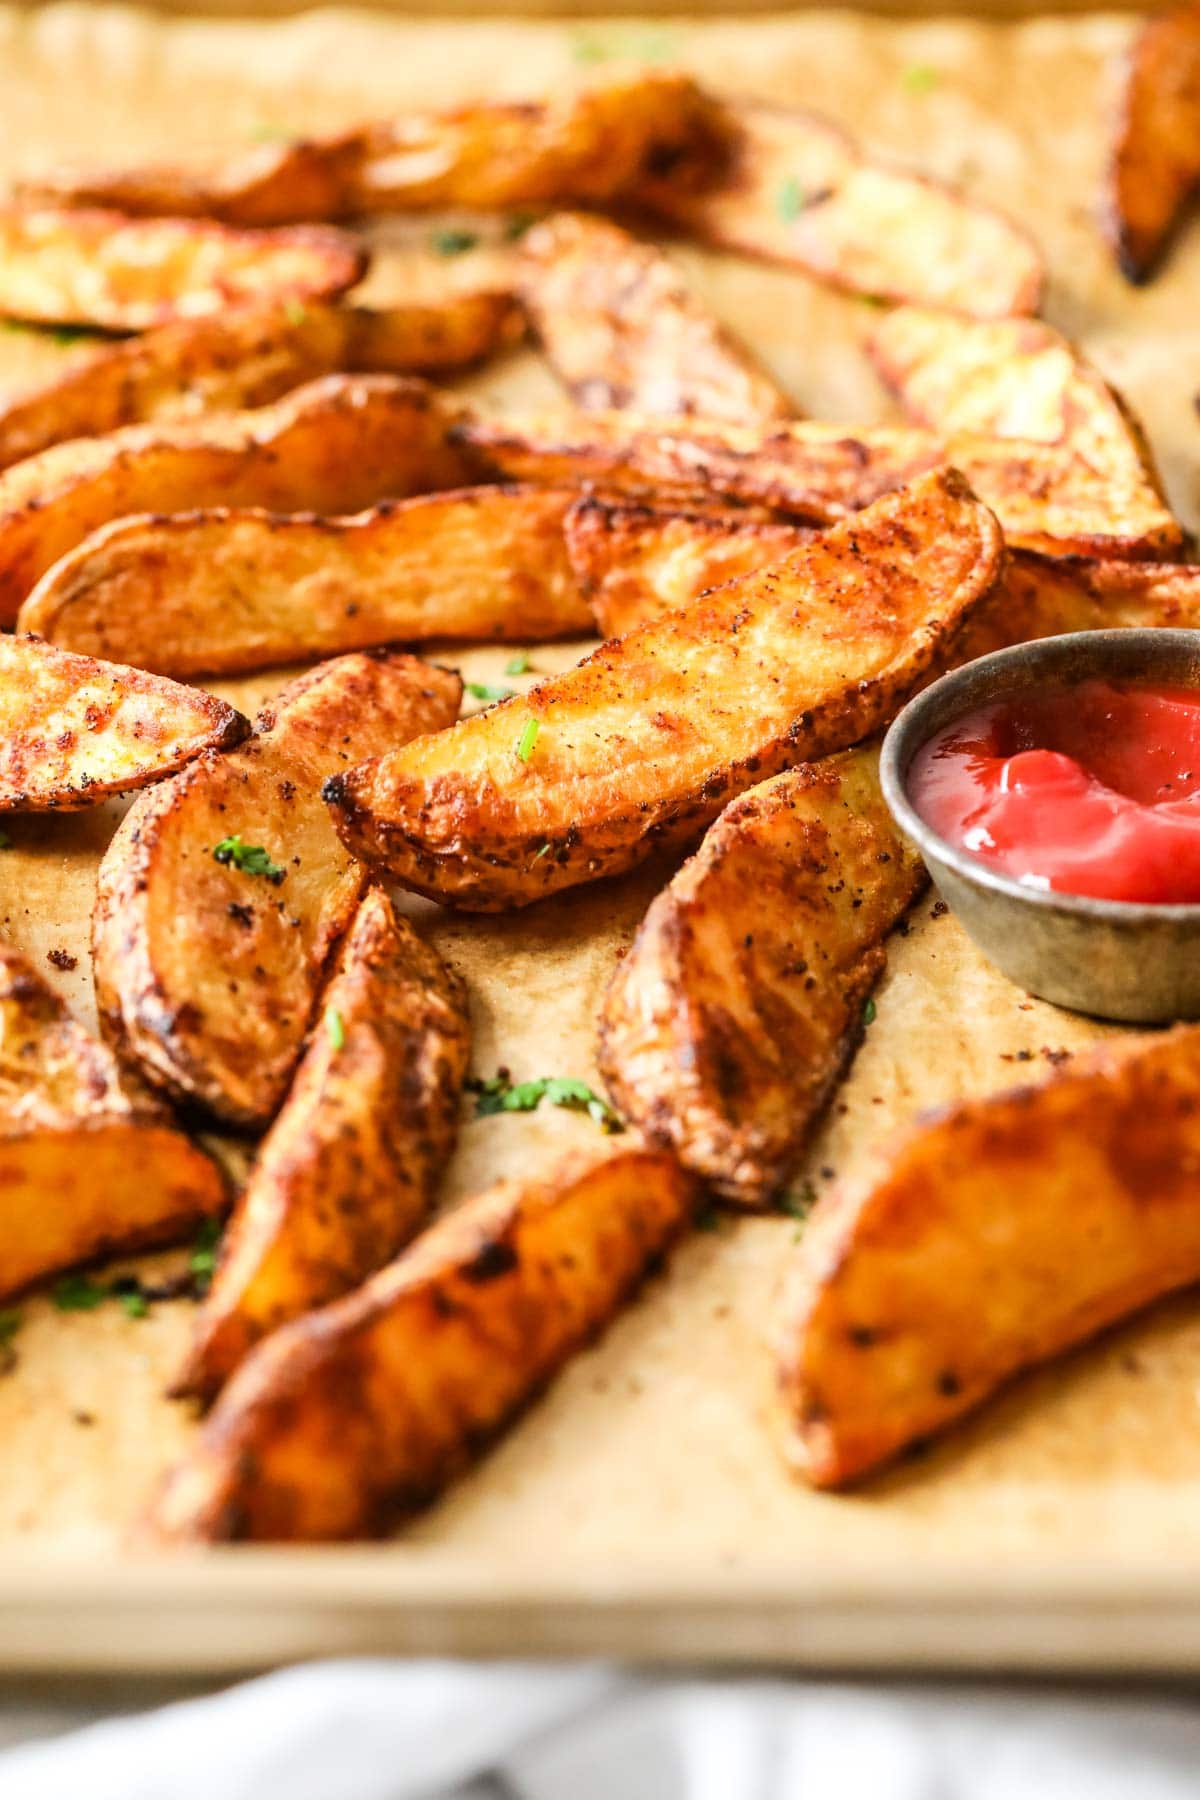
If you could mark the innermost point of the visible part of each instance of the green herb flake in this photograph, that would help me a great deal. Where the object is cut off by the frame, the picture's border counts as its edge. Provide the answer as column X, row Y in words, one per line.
column 453, row 243
column 517, row 226
column 789, row 201
column 528, row 739
column 78, row 1293
column 6, row 842
column 10, row 1324
column 869, row 1013
column 202, row 1262
column 73, row 334
column 628, row 43
column 335, row 1027
column 482, row 690
column 499, row 1094
column 518, row 664
column 248, row 859
column 538, row 854
column 294, row 312
column 134, row 1304
column 920, row 78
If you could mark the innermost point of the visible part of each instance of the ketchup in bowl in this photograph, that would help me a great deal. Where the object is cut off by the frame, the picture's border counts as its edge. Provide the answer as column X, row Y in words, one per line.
column 1088, row 789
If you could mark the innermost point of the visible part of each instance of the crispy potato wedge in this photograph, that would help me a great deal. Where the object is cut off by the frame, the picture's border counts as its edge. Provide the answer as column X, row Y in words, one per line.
column 1155, row 160
column 1046, row 496
column 590, row 145
column 796, row 190
column 349, row 1171
column 643, row 742
column 207, row 969
column 84, row 1169
column 344, row 1421
column 993, row 1236
column 1041, row 596
column 227, row 592
column 721, row 1037
column 622, row 328
column 66, row 267
column 334, row 446
column 74, row 731
column 249, row 356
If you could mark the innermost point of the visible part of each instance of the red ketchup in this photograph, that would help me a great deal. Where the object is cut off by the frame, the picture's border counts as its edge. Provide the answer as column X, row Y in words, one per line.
column 1090, row 789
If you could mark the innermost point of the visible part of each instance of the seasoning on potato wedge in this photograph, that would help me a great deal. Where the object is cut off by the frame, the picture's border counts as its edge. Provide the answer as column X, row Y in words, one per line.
column 348, row 1173
column 1045, row 495
column 590, row 145
column 345, row 1420
column 225, row 889
column 247, row 356
column 85, row 1170
column 1155, row 161
column 795, row 189
column 990, row 1237
column 229, row 591
column 642, row 743
column 67, row 267
column 74, row 731
column 334, row 446
column 723, row 1031
column 622, row 329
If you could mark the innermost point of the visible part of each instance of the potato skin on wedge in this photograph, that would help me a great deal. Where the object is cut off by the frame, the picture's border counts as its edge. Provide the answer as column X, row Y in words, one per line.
column 991, row 1237
column 229, row 591
column 248, row 356
column 346, row 1420
column 74, row 731
column 1155, row 161
column 795, row 189
column 84, row 267
column 206, row 971
column 84, row 1169
column 644, row 741
column 621, row 328
column 349, row 1170
column 727, row 1024
column 335, row 446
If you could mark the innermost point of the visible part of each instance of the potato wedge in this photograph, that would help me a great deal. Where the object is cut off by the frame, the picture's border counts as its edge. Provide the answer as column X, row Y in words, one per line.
column 74, row 731
column 65, row 267
column 249, row 356
column 590, row 145
column 334, row 446
column 348, row 1173
column 622, row 328
column 642, row 743
column 993, row 1236
column 796, row 190
column 225, row 889
column 1155, row 160
column 84, row 1169
column 227, row 592
column 1041, row 596
column 1046, row 496
column 721, row 1036
column 1014, row 378
column 344, row 1421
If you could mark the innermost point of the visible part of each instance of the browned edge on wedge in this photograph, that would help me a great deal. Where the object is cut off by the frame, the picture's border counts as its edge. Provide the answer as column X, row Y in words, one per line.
column 1154, row 162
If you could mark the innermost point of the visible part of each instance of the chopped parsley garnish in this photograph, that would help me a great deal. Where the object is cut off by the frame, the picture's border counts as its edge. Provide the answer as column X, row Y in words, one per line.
column 294, row 312
column 518, row 664
column 638, row 45
column 869, row 1013
column 789, row 201
column 517, row 226
column 499, row 1094
column 134, row 1304
column 249, row 859
column 10, row 1324
column 920, row 78
column 538, row 854
column 797, row 1205
column 453, row 243
column 482, row 690
column 527, row 740
column 72, row 334
column 202, row 1262
column 78, row 1293
column 335, row 1027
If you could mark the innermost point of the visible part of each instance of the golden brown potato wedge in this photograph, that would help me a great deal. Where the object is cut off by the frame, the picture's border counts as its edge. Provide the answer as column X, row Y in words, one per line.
column 74, row 731
column 84, row 1170
column 334, row 446
column 1046, row 496
column 1041, row 596
column 993, row 1236
column 796, row 190
column 623, row 329
column 344, row 1421
column 225, row 889
column 642, row 743
column 349, row 1171
column 1155, row 161
column 66, row 267
column 248, row 356
column 722, row 1032
column 590, row 145
column 226, row 592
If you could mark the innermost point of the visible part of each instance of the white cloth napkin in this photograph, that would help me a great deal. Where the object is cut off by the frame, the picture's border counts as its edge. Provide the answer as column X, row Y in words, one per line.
column 374, row 1730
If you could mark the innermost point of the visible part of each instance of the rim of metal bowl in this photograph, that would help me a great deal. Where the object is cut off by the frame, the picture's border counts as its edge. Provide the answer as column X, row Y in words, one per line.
column 933, row 708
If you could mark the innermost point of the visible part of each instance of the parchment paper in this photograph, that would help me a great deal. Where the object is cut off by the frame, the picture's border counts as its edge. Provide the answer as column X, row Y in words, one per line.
column 651, row 1452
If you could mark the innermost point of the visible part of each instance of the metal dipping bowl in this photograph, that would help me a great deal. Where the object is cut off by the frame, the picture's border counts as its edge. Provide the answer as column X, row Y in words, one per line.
column 1115, row 959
